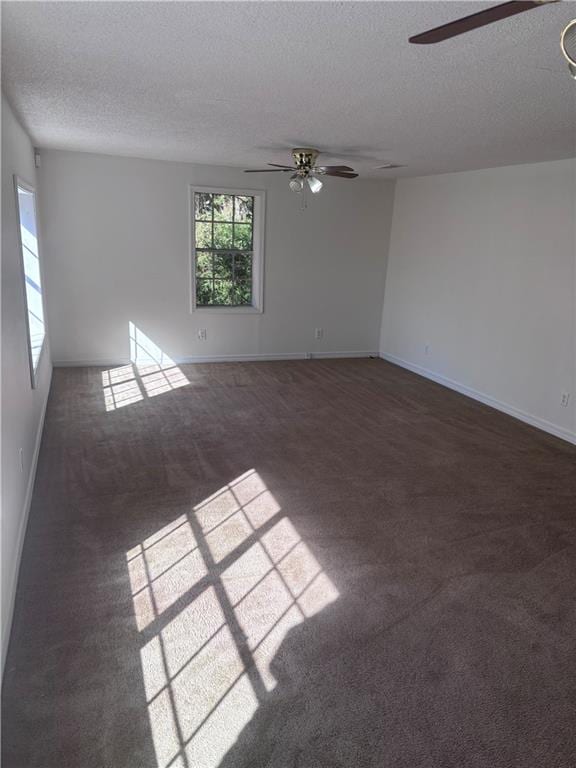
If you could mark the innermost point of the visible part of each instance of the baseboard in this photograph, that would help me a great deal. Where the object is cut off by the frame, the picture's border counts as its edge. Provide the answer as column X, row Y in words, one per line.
column 224, row 358
column 7, row 625
column 511, row 410
column 335, row 355
column 240, row 358
column 92, row 363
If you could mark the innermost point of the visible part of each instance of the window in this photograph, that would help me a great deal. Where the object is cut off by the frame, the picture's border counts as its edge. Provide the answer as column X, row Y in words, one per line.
column 227, row 250
column 26, row 207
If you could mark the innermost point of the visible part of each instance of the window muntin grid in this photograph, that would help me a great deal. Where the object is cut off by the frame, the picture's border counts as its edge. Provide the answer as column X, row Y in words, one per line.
column 224, row 249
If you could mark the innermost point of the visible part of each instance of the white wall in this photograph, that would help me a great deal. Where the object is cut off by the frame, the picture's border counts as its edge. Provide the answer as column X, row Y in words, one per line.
column 481, row 268
column 22, row 407
column 116, row 237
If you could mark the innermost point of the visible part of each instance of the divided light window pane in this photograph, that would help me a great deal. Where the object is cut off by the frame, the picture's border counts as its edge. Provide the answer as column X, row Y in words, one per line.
column 32, row 279
column 224, row 236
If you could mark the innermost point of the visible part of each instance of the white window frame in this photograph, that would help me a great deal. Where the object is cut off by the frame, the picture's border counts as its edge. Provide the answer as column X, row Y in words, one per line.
column 20, row 183
column 259, row 217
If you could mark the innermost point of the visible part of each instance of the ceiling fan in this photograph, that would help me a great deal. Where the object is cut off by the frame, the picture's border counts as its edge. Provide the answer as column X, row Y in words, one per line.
column 475, row 20
column 568, row 46
column 305, row 171
column 498, row 13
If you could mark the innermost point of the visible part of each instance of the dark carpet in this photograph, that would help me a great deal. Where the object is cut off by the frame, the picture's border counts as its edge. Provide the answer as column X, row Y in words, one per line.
column 311, row 564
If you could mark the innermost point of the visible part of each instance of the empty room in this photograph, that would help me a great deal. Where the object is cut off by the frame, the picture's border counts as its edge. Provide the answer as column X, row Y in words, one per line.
column 288, row 384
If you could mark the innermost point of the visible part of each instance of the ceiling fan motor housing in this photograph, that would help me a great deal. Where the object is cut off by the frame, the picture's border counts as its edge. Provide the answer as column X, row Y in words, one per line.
column 304, row 159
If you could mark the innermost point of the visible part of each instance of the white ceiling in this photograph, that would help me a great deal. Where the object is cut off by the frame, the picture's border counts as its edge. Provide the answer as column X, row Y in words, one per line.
column 237, row 83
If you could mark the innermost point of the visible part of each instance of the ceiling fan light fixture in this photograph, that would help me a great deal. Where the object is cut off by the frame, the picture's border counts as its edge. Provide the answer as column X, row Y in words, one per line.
column 568, row 46
column 314, row 184
column 296, row 184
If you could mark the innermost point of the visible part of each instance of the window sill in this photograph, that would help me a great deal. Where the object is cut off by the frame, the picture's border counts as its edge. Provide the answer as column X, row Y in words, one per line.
column 228, row 310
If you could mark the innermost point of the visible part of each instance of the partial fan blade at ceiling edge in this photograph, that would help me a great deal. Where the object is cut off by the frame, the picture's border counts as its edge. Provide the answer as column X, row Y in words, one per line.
column 268, row 170
column 476, row 20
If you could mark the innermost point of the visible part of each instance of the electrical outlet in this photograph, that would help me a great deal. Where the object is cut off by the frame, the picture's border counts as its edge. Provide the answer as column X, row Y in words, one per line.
column 318, row 333
column 202, row 334
column 564, row 399
column 21, row 459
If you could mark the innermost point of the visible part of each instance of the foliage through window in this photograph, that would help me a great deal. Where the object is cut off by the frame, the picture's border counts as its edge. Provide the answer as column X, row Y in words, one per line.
column 224, row 249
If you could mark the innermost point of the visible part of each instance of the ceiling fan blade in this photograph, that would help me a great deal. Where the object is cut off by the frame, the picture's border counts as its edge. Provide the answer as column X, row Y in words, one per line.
column 326, row 168
column 286, row 167
column 341, row 174
column 475, row 20
column 268, row 170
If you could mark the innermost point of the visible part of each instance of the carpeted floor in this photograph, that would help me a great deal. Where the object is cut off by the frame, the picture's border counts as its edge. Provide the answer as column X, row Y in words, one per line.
column 311, row 564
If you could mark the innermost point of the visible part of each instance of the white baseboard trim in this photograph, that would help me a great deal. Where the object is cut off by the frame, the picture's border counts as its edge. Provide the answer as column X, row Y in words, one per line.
column 511, row 410
column 94, row 363
column 7, row 626
column 335, row 355
column 225, row 358
column 240, row 358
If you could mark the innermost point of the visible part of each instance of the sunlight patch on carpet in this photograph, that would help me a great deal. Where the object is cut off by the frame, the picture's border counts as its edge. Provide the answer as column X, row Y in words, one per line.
column 215, row 594
column 151, row 372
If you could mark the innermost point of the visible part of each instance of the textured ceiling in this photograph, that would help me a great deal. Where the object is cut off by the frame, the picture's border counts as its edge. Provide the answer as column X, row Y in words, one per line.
column 235, row 83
